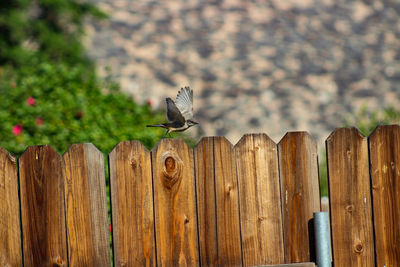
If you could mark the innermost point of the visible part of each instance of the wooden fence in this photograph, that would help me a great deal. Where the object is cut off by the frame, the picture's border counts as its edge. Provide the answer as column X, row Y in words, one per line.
column 216, row 204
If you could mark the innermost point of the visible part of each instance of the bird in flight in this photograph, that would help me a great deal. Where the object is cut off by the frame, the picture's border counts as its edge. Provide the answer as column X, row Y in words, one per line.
column 179, row 113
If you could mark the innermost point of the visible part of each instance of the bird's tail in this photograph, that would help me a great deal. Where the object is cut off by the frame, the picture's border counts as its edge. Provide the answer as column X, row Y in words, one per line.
column 155, row 125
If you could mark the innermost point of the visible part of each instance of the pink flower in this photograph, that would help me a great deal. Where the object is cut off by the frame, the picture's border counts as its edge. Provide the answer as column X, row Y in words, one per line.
column 17, row 129
column 30, row 101
column 149, row 102
column 109, row 227
column 39, row 121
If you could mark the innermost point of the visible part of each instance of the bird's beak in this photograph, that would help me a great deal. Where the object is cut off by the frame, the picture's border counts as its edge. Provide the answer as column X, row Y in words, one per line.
column 195, row 122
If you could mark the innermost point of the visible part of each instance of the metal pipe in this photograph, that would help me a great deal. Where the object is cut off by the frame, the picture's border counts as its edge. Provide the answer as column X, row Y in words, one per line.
column 322, row 239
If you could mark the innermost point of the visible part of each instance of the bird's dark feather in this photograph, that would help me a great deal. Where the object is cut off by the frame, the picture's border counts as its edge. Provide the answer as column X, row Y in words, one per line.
column 173, row 113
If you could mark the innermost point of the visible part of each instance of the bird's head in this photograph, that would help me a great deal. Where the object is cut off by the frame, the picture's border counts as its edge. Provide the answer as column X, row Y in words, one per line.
column 191, row 123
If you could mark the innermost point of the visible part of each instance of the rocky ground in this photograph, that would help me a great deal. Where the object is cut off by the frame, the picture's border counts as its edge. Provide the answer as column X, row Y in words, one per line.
column 255, row 66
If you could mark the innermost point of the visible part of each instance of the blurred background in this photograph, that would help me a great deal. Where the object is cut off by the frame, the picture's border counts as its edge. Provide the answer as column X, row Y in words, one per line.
column 74, row 71
column 255, row 66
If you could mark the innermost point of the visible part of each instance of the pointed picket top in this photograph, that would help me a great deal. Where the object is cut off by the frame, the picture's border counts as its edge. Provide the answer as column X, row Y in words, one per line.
column 84, row 146
column 10, row 247
column 136, row 143
column 347, row 131
column 203, row 141
column 223, row 140
column 259, row 136
column 384, row 129
column 39, row 150
column 299, row 135
column 42, row 177
column 8, row 155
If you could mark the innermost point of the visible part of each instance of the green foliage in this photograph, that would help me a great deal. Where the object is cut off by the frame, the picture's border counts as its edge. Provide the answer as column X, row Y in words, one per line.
column 366, row 120
column 70, row 106
column 323, row 175
column 42, row 59
column 51, row 28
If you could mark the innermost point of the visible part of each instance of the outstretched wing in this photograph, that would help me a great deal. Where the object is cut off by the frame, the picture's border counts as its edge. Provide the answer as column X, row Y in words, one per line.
column 184, row 102
column 173, row 113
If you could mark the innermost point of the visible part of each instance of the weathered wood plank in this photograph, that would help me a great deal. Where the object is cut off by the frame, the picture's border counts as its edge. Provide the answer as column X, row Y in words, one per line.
column 217, row 202
column 300, row 196
column 384, row 147
column 42, row 207
column 175, row 204
column 350, row 198
column 86, row 206
column 10, row 234
column 260, row 200
column 207, row 214
column 132, row 205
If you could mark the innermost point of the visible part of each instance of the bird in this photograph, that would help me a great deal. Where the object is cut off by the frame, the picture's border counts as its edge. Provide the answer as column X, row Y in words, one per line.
column 179, row 113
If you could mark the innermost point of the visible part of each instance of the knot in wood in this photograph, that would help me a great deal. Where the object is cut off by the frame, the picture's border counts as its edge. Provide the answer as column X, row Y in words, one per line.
column 170, row 164
column 261, row 219
column 228, row 189
column 133, row 163
column 349, row 208
column 58, row 261
column 172, row 170
column 186, row 220
column 358, row 248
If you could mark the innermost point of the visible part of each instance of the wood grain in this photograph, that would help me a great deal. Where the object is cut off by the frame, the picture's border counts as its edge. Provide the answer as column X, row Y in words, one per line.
column 132, row 205
column 86, row 206
column 299, row 194
column 384, row 147
column 350, row 198
column 207, row 213
column 10, row 234
column 217, row 202
column 175, row 204
column 260, row 200
column 42, row 207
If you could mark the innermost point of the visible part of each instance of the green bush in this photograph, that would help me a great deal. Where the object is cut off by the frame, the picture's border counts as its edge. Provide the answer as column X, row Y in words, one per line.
column 59, row 104
column 50, row 28
column 366, row 119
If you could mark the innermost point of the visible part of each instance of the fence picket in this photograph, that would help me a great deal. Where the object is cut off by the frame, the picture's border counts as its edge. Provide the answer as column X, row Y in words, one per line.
column 298, row 164
column 350, row 198
column 86, row 206
column 42, row 207
column 175, row 204
column 214, row 205
column 217, row 202
column 132, row 205
column 259, row 199
column 384, row 147
column 10, row 242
